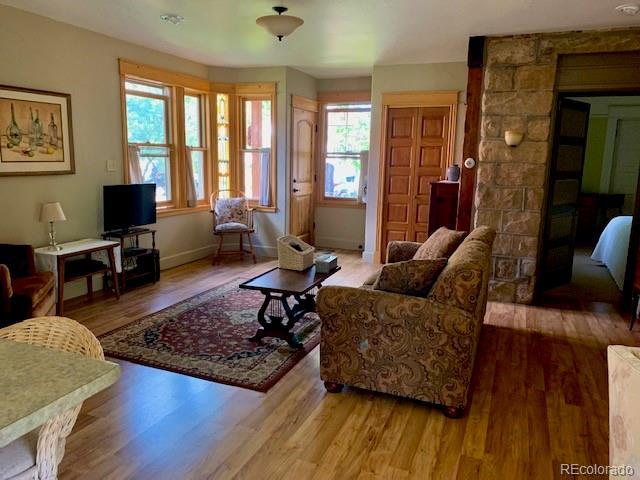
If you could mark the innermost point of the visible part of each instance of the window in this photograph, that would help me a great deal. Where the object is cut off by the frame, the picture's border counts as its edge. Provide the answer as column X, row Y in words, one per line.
column 256, row 178
column 194, row 122
column 346, row 135
column 147, row 114
column 190, row 137
column 224, row 147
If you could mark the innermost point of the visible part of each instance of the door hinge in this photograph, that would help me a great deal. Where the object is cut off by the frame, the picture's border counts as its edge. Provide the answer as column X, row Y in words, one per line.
column 315, row 178
column 316, row 127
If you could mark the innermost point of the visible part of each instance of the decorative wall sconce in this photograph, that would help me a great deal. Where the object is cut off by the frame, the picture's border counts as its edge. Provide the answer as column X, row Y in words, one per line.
column 513, row 138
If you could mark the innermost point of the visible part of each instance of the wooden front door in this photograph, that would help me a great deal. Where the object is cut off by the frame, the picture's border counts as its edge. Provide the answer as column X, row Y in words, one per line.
column 416, row 154
column 565, row 177
column 303, row 132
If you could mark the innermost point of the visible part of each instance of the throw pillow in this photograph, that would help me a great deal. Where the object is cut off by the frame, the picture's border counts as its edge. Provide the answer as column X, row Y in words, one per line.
column 231, row 210
column 411, row 277
column 441, row 244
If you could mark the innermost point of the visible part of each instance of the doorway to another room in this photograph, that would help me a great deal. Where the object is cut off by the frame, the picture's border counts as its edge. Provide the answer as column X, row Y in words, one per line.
column 588, row 244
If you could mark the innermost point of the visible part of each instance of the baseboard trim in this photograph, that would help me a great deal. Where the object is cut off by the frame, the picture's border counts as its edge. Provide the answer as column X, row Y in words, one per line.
column 181, row 258
column 341, row 243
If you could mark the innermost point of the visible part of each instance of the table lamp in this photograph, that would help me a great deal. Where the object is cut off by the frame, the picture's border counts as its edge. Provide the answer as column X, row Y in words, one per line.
column 52, row 212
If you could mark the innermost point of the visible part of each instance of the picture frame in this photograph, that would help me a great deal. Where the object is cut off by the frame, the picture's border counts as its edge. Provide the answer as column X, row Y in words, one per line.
column 36, row 132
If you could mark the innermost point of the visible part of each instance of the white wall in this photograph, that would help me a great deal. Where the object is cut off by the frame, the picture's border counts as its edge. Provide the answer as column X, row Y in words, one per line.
column 43, row 54
column 341, row 227
column 399, row 78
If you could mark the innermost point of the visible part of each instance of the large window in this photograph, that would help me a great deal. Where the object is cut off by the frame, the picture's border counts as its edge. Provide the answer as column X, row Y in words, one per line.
column 147, row 109
column 191, row 137
column 195, row 141
column 255, row 149
column 346, row 135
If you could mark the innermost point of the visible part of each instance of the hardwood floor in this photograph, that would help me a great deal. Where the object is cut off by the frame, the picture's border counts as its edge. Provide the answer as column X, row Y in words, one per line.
column 539, row 398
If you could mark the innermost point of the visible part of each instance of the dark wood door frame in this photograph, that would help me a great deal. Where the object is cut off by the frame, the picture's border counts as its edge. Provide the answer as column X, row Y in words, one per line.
column 634, row 237
column 564, row 209
column 475, row 62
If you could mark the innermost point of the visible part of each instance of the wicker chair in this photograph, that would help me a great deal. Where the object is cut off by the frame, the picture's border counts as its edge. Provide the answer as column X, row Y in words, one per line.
column 37, row 454
column 232, row 216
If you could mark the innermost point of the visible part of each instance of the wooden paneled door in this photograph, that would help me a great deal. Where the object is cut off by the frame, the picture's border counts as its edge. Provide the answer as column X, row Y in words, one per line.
column 304, row 118
column 565, row 177
column 416, row 153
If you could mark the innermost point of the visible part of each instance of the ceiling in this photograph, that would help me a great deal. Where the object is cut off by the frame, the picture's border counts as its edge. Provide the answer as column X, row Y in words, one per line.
column 339, row 37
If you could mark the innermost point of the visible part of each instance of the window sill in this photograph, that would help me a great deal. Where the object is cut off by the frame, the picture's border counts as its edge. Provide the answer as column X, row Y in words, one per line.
column 170, row 212
column 261, row 208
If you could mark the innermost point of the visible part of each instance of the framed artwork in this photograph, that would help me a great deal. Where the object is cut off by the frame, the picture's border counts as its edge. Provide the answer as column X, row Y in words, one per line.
column 35, row 132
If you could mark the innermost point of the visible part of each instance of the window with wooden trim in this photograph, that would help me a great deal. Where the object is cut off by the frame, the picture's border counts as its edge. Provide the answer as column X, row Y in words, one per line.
column 190, row 137
column 148, row 114
column 346, row 128
column 256, row 163
column 167, row 138
column 196, row 142
column 224, row 145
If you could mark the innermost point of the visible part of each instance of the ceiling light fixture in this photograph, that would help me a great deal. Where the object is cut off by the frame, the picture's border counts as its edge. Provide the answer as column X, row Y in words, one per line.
column 172, row 18
column 628, row 9
column 279, row 25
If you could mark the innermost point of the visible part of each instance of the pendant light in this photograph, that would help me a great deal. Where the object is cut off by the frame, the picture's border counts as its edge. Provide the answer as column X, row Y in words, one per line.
column 279, row 25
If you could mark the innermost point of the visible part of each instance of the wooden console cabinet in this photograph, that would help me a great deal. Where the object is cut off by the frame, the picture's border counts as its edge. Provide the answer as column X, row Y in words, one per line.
column 443, row 205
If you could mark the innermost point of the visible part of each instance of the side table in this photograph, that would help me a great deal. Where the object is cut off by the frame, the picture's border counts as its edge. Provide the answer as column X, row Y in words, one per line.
column 79, row 259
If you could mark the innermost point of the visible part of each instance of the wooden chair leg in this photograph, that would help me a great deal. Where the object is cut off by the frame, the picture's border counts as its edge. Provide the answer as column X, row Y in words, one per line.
column 241, row 245
column 253, row 255
column 217, row 256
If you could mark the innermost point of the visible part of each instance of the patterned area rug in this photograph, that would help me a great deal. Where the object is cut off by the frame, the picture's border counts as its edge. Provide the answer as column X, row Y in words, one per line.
column 206, row 337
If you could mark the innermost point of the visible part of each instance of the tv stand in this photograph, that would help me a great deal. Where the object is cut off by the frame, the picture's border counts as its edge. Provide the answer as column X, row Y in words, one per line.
column 140, row 265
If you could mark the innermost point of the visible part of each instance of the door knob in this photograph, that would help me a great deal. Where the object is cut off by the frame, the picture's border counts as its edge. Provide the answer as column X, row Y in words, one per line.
column 295, row 190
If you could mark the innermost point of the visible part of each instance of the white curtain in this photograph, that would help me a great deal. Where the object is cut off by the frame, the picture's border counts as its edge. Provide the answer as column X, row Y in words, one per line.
column 135, row 172
column 364, row 168
column 265, row 179
column 192, row 196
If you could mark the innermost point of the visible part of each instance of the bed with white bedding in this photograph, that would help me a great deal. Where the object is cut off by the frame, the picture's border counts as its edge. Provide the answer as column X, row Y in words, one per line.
column 613, row 247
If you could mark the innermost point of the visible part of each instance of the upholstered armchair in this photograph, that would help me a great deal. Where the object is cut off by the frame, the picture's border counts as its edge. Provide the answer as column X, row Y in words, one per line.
column 24, row 293
column 232, row 216
column 417, row 347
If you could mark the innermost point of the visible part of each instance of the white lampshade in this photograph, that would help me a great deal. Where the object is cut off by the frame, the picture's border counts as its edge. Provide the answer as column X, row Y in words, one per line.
column 279, row 25
column 52, row 212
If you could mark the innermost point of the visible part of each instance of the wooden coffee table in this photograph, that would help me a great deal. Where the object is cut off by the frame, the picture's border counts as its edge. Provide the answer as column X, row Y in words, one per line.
column 277, row 285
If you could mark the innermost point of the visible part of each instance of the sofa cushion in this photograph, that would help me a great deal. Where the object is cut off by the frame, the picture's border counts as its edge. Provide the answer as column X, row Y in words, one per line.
column 411, row 277
column 484, row 234
column 18, row 459
column 441, row 244
column 35, row 287
column 231, row 210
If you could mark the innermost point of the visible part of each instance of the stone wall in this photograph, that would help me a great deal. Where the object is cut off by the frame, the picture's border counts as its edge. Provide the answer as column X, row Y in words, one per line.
column 518, row 94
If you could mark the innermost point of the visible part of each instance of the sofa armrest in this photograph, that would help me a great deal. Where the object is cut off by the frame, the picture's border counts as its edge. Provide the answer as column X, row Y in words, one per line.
column 6, row 291
column 410, row 346
column 400, row 251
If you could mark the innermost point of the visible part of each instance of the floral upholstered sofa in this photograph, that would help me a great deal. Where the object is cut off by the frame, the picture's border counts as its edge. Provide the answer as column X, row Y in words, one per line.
column 417, row 347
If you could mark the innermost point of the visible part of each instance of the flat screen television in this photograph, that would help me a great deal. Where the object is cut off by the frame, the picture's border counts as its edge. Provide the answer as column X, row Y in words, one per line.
column 127, row 206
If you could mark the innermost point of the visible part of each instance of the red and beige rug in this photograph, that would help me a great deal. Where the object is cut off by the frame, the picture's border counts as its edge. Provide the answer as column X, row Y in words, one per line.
column 206, row 337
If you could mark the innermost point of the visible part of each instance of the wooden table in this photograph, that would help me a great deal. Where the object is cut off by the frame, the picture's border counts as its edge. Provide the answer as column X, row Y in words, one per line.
column 55, row 261
column 39, row 383
column 277, row 285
